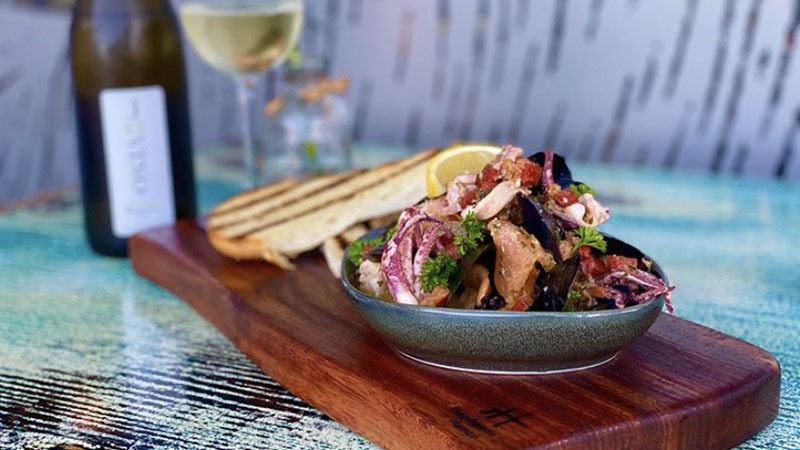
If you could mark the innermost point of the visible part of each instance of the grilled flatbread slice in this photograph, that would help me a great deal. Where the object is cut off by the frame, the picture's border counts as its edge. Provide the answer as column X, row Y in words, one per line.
column 333, row 248
column 279, row 221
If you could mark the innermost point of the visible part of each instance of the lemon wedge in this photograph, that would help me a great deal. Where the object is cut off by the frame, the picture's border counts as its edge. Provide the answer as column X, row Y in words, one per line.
column 454, row 161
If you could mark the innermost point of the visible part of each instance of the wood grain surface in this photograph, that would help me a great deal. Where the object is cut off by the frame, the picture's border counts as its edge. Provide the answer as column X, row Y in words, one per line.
column 680, row 386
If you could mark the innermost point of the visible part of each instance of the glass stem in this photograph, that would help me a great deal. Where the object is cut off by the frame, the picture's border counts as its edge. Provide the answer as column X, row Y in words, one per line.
column 245, row 87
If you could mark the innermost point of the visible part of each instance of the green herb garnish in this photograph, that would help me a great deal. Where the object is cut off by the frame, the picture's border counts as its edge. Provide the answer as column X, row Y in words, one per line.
column 390, row 233
column 355, row 253
column 573, row 301
column 589, row 237
column 580, row 189
column 437, row 272
column 473, row 234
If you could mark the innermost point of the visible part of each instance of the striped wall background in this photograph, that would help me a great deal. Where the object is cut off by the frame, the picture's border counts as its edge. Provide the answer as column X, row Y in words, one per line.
column 703, row 85
column 712, row 85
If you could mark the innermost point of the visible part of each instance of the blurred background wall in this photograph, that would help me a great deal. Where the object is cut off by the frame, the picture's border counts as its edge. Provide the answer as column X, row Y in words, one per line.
column 700, row 85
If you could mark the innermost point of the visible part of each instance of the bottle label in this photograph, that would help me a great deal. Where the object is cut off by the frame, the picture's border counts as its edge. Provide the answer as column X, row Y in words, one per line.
column 137, row 154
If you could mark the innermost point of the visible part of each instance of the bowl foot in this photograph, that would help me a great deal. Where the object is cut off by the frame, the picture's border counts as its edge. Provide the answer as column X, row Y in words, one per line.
column 516, row 369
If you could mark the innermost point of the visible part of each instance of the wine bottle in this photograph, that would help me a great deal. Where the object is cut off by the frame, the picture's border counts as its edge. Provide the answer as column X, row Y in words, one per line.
column 132, row 118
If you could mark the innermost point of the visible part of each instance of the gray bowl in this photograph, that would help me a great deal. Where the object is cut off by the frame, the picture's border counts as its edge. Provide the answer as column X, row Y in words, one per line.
column 505, row 342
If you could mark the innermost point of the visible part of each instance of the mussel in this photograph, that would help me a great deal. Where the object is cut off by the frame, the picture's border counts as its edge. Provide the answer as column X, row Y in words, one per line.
column 540, row 224
column 561, row 173
column 554, row 286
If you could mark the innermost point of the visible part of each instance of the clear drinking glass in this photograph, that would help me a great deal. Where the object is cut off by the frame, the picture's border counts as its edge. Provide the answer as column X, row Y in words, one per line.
column 308, row 130
column 244, row 38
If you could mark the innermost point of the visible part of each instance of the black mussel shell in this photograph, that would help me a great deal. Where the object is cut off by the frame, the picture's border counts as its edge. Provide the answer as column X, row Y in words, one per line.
column 615, row 246
column 376, row 252
column 554, row 286
column 547, row 300
column 540, row 224
column 606, row 303
column 491, row 302
column 561, row 173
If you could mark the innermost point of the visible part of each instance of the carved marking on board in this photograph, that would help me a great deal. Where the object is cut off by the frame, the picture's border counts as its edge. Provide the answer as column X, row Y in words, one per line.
column 485, row 421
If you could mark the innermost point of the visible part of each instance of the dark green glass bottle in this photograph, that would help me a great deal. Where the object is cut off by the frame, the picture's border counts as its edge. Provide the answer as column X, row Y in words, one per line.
column 134, row 136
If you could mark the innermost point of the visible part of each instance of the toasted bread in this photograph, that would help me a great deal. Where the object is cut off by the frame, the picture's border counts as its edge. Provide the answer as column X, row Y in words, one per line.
column 279, row 221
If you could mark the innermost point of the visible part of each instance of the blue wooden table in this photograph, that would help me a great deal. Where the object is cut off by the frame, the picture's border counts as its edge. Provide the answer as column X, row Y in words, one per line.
column 92, row 356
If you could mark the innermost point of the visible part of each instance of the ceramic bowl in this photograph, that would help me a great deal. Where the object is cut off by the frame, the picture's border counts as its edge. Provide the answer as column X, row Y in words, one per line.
column 506, row 342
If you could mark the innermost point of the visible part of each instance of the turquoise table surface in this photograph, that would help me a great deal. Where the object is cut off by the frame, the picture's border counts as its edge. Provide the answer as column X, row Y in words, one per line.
column 92, row 356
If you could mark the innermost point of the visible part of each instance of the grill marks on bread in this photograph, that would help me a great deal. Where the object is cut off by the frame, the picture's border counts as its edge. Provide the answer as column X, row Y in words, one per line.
column 252, row 215
column 279, row 221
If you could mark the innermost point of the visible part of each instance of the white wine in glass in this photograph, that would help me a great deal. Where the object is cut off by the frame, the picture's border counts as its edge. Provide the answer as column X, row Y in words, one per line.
column 244, row 38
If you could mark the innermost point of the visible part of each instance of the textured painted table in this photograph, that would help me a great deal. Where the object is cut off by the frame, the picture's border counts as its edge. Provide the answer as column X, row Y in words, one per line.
column 94, row 357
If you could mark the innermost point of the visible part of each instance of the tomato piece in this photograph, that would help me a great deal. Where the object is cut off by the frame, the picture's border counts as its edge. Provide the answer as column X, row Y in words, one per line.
column 468, row 198
column 437, row 297
column 590, row 264
column 485, row 187
column 585, row 252
column 597, row 292
column 449, row 247
column 523, row 304
column 529, row 172
column 617, row 262
column 490, row 174
column 594, row 266
column 565, row 198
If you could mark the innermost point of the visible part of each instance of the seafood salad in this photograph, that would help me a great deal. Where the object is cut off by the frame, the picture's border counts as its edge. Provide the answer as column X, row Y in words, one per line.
column 520, row 235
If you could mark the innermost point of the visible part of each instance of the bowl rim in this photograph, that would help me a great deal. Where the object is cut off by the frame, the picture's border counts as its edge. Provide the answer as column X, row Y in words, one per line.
column 360, row 295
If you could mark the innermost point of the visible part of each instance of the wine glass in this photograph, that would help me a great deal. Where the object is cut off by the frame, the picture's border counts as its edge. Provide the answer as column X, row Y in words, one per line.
column 244, row 38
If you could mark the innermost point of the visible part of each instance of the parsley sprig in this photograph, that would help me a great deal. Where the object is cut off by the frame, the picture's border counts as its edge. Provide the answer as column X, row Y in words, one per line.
column 589, row 237
column 580, row 189
column 473, row 234
column 356, row 251
column 438, row 271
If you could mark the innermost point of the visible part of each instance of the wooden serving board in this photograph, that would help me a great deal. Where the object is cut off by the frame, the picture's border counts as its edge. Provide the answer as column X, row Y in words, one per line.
column 680, row 386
